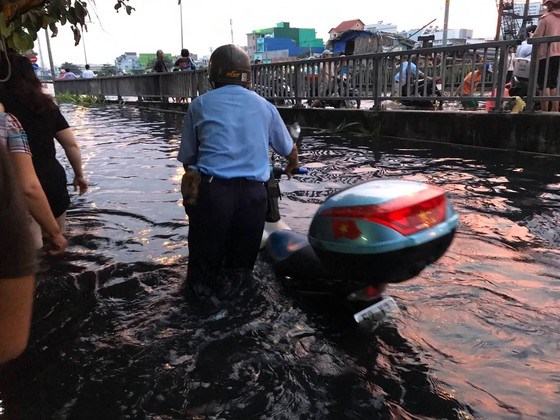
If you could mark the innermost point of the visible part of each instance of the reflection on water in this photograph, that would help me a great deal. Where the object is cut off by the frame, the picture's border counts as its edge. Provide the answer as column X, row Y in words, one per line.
column 478, row 334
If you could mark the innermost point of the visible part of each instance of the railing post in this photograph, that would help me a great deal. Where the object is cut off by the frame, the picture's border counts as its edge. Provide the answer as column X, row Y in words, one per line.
column 119, row 97
column 376, row 71
column 297, row 93
column 532, row 86
column 500, row 83
column 137, row 83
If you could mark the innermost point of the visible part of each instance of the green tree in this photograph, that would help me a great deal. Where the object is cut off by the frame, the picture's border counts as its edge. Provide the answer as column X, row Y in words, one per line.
column 72, row 67
column 107, row 70
column 21, row 20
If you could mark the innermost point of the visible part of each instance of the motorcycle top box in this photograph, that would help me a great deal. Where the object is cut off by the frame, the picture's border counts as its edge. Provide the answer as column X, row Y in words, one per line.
column 382, row 231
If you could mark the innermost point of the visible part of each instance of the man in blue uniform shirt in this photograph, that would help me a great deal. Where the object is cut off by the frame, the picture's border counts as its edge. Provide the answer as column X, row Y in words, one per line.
column 224, row 149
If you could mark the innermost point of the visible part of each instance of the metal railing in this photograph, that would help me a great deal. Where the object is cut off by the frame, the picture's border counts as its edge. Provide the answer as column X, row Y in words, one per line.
column 348, row 81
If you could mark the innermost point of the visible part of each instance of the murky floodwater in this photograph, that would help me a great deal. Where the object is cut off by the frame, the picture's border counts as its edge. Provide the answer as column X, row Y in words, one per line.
column 478, row 335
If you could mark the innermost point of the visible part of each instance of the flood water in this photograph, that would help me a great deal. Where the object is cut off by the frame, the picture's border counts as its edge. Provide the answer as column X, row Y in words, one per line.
column 478, row 334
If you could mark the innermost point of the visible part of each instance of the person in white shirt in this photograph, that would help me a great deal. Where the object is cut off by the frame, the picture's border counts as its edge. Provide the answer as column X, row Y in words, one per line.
column 525, row 49
column 87, row 73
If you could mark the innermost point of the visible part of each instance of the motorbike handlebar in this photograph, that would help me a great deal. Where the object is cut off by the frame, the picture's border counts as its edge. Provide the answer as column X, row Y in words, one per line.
column 277, row 171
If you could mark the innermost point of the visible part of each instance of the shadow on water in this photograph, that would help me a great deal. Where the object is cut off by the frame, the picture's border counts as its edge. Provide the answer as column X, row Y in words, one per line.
column 477, row 335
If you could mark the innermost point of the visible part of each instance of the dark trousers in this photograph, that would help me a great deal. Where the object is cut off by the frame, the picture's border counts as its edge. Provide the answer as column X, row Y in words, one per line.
column 225, row 228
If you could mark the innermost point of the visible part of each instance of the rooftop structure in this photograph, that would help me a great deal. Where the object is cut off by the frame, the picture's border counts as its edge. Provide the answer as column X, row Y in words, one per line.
column 347, row 25
column 381, row 27
column 282, row 41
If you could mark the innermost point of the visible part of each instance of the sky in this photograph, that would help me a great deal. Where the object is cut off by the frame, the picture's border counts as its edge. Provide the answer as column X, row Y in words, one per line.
column 156, row 24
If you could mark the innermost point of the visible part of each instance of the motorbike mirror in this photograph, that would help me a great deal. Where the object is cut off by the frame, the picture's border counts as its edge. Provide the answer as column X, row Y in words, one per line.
column 295, row 132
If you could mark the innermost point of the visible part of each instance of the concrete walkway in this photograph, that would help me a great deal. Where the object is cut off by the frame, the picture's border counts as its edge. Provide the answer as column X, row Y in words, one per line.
column 534, row 132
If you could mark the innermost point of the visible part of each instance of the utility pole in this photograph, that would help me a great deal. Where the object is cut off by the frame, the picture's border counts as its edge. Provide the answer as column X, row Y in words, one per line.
column 41, row 53
column 231, row 28
column 50, row 54
column 84, row 44
column 181, row 14
column 445, row 19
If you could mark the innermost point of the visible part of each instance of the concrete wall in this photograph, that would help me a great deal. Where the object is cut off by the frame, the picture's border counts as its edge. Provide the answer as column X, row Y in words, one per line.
column 525, row 132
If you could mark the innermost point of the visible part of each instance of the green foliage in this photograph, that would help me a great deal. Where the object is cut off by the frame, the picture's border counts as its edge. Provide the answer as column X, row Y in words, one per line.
column 21, row 20
column 70, row 98
column 107, row 70
column 72, row 67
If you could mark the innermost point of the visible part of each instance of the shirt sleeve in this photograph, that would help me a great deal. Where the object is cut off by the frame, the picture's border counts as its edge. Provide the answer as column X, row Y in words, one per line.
column 188, row 151
column 61, row 123
column 280, row 139
column 17, row 139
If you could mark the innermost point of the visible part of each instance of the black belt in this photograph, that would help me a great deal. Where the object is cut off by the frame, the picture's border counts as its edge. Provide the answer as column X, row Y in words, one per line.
column 209, row 179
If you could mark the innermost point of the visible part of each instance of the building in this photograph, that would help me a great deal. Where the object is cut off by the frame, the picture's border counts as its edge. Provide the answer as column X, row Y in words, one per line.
column 535, row 10
column 347, row 25
column 454, row 36
column 355, row 42
column 282, row 42
column 388, row 28
column 513, row 20
column 128, row 62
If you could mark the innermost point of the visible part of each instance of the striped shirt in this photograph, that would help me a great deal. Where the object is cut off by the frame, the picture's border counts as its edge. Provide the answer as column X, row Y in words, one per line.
column 12, row 135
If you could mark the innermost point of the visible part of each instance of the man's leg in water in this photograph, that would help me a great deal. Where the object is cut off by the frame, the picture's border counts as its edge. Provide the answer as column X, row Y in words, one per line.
column 209, row 222
column 245, row 236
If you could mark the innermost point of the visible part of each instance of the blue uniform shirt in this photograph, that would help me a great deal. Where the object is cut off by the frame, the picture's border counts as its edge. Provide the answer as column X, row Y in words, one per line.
column 403, row 70
column 227, row 133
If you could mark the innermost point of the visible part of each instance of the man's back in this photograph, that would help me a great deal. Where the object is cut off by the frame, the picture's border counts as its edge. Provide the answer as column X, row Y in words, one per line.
column 88, row 74
column 232, row 127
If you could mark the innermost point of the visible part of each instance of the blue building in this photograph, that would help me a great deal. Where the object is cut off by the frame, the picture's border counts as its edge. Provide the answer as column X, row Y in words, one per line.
column 282, row 42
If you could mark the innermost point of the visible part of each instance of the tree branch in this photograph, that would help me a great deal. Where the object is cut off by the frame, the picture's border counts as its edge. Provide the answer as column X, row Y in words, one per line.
column 14, row 8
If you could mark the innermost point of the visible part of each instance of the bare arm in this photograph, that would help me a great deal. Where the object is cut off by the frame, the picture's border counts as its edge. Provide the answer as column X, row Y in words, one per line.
column 293, row 161
column 16, row 301
column 68, row 142
column 37, row 202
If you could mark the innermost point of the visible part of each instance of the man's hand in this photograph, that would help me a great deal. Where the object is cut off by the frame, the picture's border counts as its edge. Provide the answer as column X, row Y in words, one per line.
column 58, row 243
column 80, row 184
column 189, row 187
column 293, row 161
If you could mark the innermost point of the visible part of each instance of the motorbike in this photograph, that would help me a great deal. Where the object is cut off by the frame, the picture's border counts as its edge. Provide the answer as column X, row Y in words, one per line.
column 362, row 238
column 340, row 88
column 519, row 85
column 422, row 99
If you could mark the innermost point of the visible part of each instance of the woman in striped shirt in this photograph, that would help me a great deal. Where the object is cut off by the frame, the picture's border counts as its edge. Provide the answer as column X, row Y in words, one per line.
column 14, row 140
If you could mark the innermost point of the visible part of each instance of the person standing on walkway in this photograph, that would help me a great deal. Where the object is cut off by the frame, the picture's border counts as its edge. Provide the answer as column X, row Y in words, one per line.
column 160, row 66
column 524, row 50
column 224, row 150
column 23, row 96
column 87, row 73
column 549, row 25
column 185, row 62
column 68, row 74
column 510, row 63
